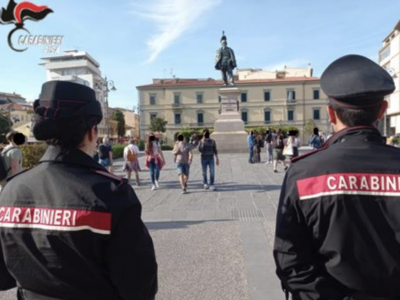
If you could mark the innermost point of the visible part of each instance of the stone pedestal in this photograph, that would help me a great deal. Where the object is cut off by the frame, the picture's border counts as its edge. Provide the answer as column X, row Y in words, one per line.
column 229, row 132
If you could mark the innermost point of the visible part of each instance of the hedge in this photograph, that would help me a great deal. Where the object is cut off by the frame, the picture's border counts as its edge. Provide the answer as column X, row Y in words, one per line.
column 31, row 154
column 188, row 132
column 262, row 129
column 118, row 151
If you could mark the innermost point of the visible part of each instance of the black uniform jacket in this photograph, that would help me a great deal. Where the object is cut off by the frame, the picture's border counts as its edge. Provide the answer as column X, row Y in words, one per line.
column 338, row 222
column 71, row 230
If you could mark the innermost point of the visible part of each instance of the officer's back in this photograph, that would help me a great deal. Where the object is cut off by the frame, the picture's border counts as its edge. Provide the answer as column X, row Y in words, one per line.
column 338, row 220
column 68, row 228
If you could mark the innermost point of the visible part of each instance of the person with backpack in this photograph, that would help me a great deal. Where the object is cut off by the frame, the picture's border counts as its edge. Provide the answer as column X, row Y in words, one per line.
column 315, row 140
column 11, row 157
column 183, row 159
column 106, row 154
column 208, row 149
column 131, row 155
column 278, row 145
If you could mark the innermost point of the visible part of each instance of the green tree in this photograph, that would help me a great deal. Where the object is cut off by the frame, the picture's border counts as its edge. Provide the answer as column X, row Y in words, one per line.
column 120, row 118
column 158, row 125
column 5, row 127
column 309, row 127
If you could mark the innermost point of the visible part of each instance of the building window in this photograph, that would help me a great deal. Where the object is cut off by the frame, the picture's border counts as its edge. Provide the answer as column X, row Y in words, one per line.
column 384, row 53
column 177, row 98
column 177, row 118
column 244, row 116
column 316, row 115
column 200, row 118
column 267, row 95
column 244, row 97
column 316, row 94
column 152, row 99
column 291, row 95
column 267, row 116
column 199, row 97
column 290, row 115
column 153, row 116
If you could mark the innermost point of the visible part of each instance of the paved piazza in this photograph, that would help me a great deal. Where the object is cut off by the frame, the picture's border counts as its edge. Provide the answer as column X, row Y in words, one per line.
column 213, row 245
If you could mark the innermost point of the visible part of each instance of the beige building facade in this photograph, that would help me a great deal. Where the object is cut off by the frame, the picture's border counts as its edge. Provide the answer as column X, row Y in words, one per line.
column 389, row 58
column 194, row 103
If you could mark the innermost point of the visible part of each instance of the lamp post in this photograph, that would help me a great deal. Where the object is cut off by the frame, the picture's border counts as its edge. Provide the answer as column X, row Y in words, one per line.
column 106, row 86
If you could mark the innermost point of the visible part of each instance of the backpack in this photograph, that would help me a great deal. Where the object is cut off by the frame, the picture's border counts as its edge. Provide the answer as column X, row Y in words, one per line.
column 279, row 142
column 131, row 155
column 3, row 169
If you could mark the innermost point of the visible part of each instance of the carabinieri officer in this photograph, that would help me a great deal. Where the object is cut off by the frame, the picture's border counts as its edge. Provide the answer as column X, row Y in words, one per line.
column 338, row 223
column 69, row 229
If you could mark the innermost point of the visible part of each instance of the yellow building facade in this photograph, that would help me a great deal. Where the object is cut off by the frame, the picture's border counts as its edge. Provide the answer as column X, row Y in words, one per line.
column 194, row 103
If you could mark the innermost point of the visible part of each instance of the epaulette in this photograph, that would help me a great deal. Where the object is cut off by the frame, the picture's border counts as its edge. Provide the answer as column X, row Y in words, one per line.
column 110, row 175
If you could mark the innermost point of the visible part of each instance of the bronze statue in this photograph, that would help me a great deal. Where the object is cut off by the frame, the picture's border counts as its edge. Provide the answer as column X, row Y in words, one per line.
column 225, row 61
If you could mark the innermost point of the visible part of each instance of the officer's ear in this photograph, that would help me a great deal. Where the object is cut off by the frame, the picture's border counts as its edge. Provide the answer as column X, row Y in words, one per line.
column 332, row 115
column 93, row 133
column 382, row 110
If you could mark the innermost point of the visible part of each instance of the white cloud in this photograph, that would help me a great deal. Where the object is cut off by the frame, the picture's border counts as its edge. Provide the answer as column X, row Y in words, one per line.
column 171, row 18
column 294, row 63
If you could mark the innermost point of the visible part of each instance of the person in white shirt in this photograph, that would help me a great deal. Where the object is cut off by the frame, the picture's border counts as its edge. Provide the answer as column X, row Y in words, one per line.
column 131, row 155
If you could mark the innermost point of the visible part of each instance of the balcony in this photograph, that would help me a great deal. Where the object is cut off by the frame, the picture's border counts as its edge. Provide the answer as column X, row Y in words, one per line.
column 176, row 106
column 290, row 102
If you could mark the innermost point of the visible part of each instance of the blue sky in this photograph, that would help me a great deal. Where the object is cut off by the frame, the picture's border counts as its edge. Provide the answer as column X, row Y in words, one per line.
column 135, row 41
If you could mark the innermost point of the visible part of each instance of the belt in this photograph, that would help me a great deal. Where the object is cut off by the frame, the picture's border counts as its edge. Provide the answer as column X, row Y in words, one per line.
column 29, row 295
column 362, row 296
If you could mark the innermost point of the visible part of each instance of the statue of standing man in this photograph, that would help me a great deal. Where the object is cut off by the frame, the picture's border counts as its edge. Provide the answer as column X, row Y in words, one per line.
column 225, row 61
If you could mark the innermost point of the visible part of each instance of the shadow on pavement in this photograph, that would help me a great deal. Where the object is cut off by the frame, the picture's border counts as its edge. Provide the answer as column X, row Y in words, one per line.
column 179, row 224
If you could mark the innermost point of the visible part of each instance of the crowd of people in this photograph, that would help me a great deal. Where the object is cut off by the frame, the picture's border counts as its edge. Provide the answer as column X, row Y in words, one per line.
column 280, row 147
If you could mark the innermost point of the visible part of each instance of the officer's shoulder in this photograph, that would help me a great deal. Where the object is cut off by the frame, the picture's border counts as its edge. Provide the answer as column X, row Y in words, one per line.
column 115, row 178
column 308, row 156
column 18, row 174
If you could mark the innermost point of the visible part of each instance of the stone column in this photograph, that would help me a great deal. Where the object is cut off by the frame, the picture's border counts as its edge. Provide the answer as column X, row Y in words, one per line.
column 229, row 132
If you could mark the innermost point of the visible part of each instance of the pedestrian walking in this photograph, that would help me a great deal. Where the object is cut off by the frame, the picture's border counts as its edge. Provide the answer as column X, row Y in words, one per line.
column 208, row 149
column 337, row 230
column 12, row 155
column 69, row 229
column 183, row 159
column 131, row 161
column 106, row 154
column 154, row 160
column 269, row 137
column 315, row 141
column 278, row 146
column 250, row 146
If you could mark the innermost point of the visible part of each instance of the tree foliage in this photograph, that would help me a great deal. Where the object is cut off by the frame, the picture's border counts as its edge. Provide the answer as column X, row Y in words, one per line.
column 309, row 127
column 120, row 118
column 158, row 125
column 5, row 127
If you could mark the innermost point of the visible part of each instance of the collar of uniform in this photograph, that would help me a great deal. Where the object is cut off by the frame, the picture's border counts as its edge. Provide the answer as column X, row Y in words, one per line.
column 76, row 157
column 371, row 132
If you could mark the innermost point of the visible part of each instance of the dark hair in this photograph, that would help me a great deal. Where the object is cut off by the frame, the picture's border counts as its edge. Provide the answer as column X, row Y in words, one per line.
column 357, row 117
column 150, row 143
column 180, row 137
column 267, row 132
column 67, row 133
column 316, row 131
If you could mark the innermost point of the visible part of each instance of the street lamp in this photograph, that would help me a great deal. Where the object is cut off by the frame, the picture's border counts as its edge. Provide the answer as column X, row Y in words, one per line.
column 106, row 86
